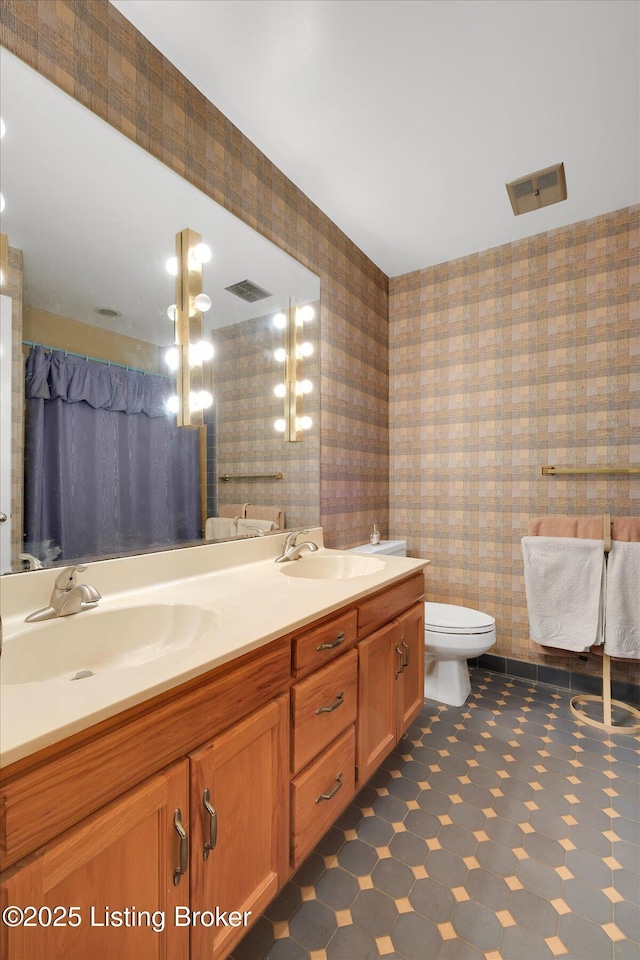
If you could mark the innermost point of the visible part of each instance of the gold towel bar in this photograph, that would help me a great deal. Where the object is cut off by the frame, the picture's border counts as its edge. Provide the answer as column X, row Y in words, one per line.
column 554, row 471
column 253, row 476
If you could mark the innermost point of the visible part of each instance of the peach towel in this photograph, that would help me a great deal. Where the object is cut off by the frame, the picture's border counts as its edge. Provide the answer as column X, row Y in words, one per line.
column 626, row 529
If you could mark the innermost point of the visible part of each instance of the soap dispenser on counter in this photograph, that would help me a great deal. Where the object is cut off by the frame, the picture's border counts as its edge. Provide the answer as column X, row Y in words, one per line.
column 374, row 539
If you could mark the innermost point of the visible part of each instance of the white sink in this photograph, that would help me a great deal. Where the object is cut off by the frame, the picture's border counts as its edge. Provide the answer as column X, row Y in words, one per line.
column 333, row 567
column 96, row 641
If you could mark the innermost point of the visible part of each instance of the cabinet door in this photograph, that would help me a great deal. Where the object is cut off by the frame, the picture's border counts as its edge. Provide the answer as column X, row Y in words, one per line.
column 239, row 826
column 117, row 869
column 411, row 680
column 380, row 666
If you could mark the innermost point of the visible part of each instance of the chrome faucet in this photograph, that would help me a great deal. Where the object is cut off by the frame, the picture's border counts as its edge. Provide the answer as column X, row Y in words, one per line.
column 257, row 532
column 68, row 597
column 292, row 550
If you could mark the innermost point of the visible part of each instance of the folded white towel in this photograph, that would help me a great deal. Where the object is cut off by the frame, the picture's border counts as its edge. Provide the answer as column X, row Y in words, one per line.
column 250, row 526
column 217, row 528
column 622, row 630
column 565, row 580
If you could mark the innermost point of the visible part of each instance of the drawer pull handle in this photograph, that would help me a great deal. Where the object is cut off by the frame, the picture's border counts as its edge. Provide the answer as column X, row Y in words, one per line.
column 406, row 655
column 180, row 871
column 213, row 825
column 330, row 796
column 331, row 646
column 399, row 652
column 334, row 706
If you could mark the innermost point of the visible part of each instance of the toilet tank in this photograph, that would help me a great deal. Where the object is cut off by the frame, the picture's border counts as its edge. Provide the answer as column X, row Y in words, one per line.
column 395, row 548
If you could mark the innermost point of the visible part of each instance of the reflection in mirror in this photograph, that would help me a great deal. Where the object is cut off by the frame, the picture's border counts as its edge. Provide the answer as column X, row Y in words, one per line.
column 91, row 221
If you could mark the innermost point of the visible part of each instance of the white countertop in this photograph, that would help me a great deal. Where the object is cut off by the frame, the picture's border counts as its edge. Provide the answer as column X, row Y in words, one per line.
column 251, row 603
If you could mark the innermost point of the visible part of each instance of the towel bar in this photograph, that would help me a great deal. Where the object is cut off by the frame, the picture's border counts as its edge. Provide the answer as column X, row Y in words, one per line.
column 567, row 471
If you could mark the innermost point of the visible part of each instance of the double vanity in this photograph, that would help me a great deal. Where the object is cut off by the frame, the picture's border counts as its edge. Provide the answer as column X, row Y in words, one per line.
column 172, row 754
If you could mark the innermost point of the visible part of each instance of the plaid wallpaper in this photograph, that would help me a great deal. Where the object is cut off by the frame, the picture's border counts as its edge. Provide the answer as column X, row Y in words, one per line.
column 502, row 362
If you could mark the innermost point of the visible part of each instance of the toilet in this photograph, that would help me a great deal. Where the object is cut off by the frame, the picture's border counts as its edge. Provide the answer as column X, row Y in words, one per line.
column 452, row 635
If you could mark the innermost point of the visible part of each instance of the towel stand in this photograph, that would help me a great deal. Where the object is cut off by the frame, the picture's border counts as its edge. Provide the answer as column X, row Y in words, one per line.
column 578, row 703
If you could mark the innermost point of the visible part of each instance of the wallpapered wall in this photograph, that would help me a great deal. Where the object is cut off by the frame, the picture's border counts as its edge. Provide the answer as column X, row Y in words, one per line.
column 98, row 57
column 520, row 356
column 245, row 373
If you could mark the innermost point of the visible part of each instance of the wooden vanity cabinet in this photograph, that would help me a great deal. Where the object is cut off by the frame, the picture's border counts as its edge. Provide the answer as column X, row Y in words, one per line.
column 252, row 762
column 120, row 859
column 390, row 687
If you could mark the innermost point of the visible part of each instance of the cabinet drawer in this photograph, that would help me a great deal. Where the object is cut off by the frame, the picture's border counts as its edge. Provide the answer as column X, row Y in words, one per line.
column 387, row 605
column 321, row 707
column 320, row 793
column 317, row 647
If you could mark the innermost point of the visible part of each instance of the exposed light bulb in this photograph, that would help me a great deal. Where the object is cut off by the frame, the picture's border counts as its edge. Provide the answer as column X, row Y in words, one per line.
column 200, row 352
column 280, row 425
column 172, row 312
column 1, row 278
column 280, row 321
column 3, row 129
column 299, row 318
column 307, row 313
column 305, row 422
column 280, row 390
column 172, row 266
column 202, row 302
column 202, row 253
column 204, row 399
column 173, row 404
column 1, row 203
column 306, row 386
column 280, row 355
column 306, row 349
column 171, row 358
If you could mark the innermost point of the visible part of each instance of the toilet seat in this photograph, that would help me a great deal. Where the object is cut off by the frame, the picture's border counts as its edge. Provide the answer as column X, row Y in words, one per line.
column 450, row 619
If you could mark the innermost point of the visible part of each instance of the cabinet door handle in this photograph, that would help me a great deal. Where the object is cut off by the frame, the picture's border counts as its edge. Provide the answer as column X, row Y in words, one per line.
column 330, row 796
column 210, row 844
column 331, row 646
column 400, row 654
column 406, row 654
column 180, row 871
column 334, row 706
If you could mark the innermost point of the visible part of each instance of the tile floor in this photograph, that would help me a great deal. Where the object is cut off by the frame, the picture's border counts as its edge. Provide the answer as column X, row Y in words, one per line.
column 501, row 829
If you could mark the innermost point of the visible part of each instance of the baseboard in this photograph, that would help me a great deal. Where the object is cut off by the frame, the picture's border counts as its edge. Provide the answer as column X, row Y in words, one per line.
column 557, row 677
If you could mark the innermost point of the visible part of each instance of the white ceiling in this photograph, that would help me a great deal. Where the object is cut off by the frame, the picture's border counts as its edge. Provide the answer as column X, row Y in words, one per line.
column 403, row 119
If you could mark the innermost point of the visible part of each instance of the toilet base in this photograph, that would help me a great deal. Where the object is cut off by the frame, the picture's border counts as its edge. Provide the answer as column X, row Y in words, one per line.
column 446, row 681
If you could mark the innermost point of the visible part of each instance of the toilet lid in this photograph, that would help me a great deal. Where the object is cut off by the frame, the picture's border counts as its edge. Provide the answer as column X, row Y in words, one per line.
column 448, row 618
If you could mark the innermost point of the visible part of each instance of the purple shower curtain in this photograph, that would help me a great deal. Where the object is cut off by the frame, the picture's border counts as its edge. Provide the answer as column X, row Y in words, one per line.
column 107, row 469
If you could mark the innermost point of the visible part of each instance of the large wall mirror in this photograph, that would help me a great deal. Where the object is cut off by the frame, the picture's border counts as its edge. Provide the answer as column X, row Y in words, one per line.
column 91, row 220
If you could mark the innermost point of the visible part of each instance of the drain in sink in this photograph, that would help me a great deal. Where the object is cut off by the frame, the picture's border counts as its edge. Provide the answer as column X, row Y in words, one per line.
column 83, row 674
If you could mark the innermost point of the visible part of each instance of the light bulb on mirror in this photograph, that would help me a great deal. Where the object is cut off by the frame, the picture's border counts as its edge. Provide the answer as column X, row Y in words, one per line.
column 307, row 313
column 280, row 390
column 172, row 266
column 280, row 425
column 172, row 312
column 202, row 253
column 202, row 302
column 205, row 399
column 171, row 358
column 3, row 129
column 279, row 321
column 280, row 355
column 305, row 423
column 305, row 349
column 200, row 352
column 306, row 386
column 1, row 203
column 173, row 404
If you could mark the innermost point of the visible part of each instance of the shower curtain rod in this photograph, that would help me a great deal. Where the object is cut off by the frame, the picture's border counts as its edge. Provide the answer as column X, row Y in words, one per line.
column 86, row 356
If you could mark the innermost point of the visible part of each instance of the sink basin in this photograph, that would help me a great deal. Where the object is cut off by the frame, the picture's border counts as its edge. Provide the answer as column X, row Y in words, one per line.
column 95, row 641
column 333, row 567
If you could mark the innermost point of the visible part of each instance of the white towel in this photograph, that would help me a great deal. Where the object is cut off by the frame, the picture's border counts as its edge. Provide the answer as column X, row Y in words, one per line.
column 217, row 528
column 622, row 630
column 565, row 580
column 250, row 526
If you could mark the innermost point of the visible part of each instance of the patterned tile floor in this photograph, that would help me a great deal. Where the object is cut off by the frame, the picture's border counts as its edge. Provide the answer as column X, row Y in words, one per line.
column 501, row 829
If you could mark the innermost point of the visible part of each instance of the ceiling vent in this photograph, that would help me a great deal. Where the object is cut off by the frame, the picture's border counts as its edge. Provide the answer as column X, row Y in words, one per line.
column 538, row 189
column 249, row 291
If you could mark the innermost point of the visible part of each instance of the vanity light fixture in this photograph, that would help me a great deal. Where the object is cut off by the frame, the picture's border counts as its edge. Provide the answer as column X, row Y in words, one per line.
column 192, row 351
column 294, row 387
